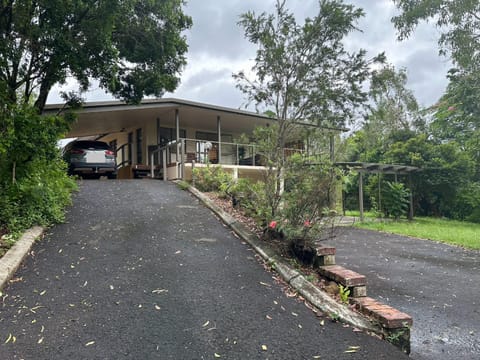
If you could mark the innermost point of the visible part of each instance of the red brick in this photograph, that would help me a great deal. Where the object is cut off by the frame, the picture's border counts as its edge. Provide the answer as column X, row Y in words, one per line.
column 389, row 317
column 325, row 250
column 343, row 276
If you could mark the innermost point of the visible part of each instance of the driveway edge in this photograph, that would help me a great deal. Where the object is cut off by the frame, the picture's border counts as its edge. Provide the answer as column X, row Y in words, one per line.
column 315, row 296
column 11, row 261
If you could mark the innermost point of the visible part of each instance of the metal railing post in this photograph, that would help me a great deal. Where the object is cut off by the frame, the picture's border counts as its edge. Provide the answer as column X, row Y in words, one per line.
column 182, row 159
column 193, row 173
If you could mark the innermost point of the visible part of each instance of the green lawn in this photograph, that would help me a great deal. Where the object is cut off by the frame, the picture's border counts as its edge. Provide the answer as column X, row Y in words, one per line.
column 448, row 231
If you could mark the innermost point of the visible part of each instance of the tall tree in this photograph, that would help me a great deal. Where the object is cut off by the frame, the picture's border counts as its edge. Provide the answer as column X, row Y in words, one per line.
column 302, row 73
column 133, row 47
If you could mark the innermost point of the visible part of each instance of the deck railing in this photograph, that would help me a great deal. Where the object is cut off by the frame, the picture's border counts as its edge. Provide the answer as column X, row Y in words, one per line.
column 187, row 151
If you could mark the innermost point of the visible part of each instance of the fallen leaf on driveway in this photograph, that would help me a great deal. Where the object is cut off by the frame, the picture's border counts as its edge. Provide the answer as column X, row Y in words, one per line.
column 159, row 291
column 294, row 314
column 90, row 343
column 265, row 284
column 352, row 349
column 177, row 252
column 264, row 347
column 216, row 355
column 204, row 325
column 40, row 340
column 268, row 317
column 157, row 307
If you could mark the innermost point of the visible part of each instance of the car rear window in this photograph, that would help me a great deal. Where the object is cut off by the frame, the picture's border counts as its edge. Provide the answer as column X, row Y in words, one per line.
column 91, row 145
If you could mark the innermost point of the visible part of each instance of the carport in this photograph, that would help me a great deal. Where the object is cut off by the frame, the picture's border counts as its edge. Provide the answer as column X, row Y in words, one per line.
column 136, row 131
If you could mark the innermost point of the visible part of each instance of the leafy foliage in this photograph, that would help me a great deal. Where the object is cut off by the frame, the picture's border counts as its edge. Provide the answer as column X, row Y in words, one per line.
column 395, row 199
column 458, row 21
column 34, row 186
column 134, row 48
column 303, row 72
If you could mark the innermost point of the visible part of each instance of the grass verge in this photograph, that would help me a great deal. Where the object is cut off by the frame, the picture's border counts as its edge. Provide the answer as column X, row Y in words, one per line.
column 453, row 232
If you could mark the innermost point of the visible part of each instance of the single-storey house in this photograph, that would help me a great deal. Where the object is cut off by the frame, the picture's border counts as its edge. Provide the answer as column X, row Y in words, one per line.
column 169, row 136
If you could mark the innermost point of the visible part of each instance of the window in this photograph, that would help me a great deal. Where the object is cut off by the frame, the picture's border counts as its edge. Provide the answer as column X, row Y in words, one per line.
column 169, row 134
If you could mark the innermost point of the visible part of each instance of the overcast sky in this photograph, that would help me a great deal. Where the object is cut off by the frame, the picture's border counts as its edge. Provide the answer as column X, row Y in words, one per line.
column 217, row 48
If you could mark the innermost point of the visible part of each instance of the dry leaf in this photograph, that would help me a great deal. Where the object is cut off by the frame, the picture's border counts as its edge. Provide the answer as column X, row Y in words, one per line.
column 300, row 326
column 177, row 252
column 322, row 322
column 216, row 355
column 8, row 339
column 157, row 307
column 317, row 357
column 264, row 347
column 294, row 314
column 111, row 287
column 159, row 291
column 265, row 284
column 268, row 317
column 204, row 325
column 90, row 343
column 40, row 340
column 43, row 292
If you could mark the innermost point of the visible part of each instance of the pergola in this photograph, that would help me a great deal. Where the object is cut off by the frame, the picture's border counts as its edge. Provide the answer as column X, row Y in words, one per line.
column 375, row 168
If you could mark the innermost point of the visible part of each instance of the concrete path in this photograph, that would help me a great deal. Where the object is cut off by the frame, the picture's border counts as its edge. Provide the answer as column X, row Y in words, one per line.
column 141, row 270
column 437, row 284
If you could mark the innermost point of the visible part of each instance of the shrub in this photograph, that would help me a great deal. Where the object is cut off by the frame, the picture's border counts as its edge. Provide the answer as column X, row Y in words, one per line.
column 34, row 186
column 211, row 178
column 395, row 199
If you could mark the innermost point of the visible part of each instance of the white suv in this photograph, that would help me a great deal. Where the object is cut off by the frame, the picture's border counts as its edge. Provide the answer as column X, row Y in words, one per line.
column 90, row 158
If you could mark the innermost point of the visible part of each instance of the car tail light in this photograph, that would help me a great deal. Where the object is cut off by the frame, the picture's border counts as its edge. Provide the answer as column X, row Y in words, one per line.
column 109, row 153
column 77, row 151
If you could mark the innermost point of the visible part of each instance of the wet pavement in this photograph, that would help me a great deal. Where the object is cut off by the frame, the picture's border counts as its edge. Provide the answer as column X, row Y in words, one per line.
column 437, row 284
column 142, row 270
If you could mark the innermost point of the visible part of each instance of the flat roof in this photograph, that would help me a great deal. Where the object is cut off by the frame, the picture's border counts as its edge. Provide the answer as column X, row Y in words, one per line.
column 112, row 116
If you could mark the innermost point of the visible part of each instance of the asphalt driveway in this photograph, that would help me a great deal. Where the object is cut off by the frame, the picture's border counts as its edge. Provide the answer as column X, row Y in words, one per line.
column 437, row 284
column 141, row 270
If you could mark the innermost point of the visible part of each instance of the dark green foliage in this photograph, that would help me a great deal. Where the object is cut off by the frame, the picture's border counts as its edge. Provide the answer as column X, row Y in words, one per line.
column 34, row 187
column 134, row 48
column 395, row 200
